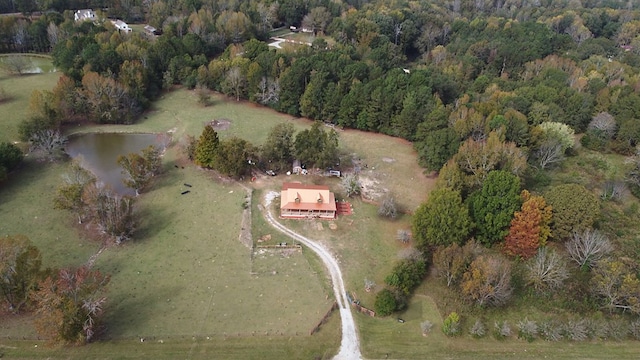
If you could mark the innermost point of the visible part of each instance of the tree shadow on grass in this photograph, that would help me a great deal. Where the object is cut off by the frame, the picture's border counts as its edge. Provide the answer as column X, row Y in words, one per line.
column 152, row 222
column 136, row 309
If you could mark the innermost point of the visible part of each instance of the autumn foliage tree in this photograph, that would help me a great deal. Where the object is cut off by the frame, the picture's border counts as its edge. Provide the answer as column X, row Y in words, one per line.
column 450, row 262
column 617, row 285
column 529, row 228
column 140, row 168
column 69, row 305
column 20, row 270
column 488, row 281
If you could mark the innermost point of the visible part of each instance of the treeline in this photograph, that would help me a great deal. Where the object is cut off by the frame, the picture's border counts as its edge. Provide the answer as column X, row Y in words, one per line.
column 236, row 157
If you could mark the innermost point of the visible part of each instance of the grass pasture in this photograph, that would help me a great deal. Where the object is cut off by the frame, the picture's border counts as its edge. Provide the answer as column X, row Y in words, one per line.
column 190, row 288
column 18, row 90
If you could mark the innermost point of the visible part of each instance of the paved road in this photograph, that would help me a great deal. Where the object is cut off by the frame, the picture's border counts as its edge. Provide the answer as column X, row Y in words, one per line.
column 350, row 344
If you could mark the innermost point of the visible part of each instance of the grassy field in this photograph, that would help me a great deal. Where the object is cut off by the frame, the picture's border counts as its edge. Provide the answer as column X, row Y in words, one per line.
column 19, row 89
column 192, row 290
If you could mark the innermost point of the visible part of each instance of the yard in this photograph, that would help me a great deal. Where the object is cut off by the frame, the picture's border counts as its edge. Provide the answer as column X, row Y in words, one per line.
column 191, row 289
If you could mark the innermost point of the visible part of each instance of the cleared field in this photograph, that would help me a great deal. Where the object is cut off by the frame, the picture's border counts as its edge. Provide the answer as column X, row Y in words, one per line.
column 26, row 207
column 319, row 346
column 18, row 90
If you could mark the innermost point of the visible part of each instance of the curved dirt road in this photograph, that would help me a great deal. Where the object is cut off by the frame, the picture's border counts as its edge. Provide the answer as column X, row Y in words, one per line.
column 350, row 345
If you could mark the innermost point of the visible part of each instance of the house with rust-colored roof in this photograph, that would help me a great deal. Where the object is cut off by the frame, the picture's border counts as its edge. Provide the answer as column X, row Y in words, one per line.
column 298, row 201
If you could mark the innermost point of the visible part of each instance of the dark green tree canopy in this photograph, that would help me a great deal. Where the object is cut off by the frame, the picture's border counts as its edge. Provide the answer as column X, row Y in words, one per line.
column 442, row 220
column 574, row 208
column 207, row 147
column 277, row 151
column 493, row 206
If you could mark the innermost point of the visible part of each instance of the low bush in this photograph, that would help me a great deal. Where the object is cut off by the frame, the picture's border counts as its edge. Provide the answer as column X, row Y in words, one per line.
column 527, row 329
column 451, row 325
column 478, row 330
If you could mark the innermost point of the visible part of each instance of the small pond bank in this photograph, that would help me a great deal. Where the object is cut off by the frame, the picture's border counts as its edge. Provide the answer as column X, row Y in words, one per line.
column 99, row 152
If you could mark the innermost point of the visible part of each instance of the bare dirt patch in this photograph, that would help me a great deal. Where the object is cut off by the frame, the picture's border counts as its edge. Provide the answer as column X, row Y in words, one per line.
column 219, row 124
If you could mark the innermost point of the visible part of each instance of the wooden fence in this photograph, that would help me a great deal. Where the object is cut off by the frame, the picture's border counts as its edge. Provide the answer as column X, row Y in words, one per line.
column 324, row 319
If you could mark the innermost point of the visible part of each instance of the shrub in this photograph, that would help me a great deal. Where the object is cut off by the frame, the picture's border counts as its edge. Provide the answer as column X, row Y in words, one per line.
column 478, row 330
column 385, row 303
column 527, row 329
column 406, row 275
column 596, row 328
column 550, row 330
column 403, row 235
column 388, row 207
column 451, row 325
column 634, row 329
column 501, row 329
column 426, row 327
column 575, row 330
column 618, row 329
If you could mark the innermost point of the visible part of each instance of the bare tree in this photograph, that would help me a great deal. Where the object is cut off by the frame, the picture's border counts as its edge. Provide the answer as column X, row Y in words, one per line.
column 604, row 123
column 388, row 207
column 20, row 34
column 113, row 213
column 351, row 184
column 369, row 284
column 617, row 284
column 478, row 330
column 16, row 64
column 69, row 195
column 452, row 261
column 527, row 329
column 547, row 270
column 588, row 247
column 426, row 327
column 53, row 34
column 403, row 235
column 614, row 190
column 488, row 281
column 235, row 82
column 549, row 152
column 410, row 253
column 48, row 142
column 268, row 91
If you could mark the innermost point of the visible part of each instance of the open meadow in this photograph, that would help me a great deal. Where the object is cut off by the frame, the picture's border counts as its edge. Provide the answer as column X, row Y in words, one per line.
column 191, row 289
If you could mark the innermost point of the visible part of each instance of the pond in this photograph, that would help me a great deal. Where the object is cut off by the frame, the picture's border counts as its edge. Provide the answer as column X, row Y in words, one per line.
column 29, row 64
column 98, row 153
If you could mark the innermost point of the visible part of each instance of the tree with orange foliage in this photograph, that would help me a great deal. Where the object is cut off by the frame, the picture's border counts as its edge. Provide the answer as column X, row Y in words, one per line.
column 529, row 228
column 69, row 305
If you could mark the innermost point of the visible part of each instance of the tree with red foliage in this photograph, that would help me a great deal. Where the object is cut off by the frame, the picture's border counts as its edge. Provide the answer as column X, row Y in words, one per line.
column 69, row 305
column 529, row 228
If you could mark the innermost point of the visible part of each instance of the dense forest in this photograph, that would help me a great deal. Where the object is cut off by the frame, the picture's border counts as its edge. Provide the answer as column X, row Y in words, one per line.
column 493, row 94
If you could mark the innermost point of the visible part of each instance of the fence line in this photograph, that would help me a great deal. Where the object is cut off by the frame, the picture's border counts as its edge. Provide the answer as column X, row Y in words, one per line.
column 325, row 318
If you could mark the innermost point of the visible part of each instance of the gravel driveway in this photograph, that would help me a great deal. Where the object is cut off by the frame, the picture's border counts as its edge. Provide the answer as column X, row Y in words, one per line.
column 350, row 344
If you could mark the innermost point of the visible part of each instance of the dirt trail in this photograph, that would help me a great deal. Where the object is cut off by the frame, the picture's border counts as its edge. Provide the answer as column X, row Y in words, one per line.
column 350, row 344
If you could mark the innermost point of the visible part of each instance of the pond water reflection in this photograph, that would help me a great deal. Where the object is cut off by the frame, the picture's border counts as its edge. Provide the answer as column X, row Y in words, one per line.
column 98, row 153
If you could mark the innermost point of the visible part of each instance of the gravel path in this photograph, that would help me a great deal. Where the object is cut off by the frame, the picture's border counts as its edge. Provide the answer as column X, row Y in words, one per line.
column 350, row 344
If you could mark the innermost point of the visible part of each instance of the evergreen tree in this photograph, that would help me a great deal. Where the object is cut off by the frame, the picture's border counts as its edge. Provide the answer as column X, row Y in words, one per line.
column 493, row 206
column 207, row 148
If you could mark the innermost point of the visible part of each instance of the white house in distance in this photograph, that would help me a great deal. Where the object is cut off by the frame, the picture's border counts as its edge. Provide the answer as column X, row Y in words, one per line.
column 298, row 201
column 121, row 25
column 85, row 14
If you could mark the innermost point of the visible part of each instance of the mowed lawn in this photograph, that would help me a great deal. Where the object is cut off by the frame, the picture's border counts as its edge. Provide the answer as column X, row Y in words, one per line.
column 187, row 274
column 18, row 90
